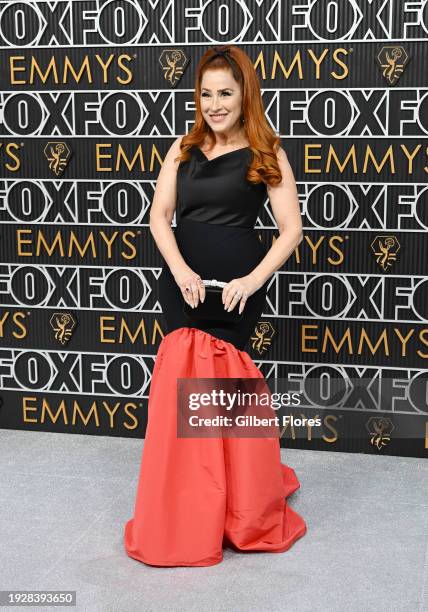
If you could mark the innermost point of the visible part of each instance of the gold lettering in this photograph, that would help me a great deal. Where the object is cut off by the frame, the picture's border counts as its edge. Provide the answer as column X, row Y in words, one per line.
column 104, row 65
column 278, row 61
column 130, row 165
column 365, row 339
column 305, row 337
column 410, row 156
column 125, row 69
column 370, row 154
column 329, row 337
column 131, row 246
column 422, row 335
column 403, row 340
column 3, row 320
column 124, row 328
column 46, row 410
column 28, row 408
column 327, row 419
column 332, row 245
column 85, row 67
column 34, row 67
column 308, row 157
column 90, row 242
column 317, row 61
column 338, row 61
column 132, row 415
column 332, row 155
column 9, row 150
column 49, row 249
column 314, row 247
column 13, row 69
column 21, row 241
column 16, row 319
column 111, row 412
column 109, row 242
column 99, row 156
column 104, row 328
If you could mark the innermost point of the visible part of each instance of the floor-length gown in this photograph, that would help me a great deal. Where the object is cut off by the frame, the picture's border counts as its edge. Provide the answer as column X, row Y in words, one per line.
column 195, row 495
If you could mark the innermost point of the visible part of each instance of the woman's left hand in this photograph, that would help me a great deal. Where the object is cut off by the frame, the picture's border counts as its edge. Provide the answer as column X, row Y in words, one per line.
column 238, row 290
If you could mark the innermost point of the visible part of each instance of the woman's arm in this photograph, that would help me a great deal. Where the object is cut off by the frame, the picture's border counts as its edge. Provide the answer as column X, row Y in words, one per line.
column 161, row 215
column 163, row 208
column 284, row 202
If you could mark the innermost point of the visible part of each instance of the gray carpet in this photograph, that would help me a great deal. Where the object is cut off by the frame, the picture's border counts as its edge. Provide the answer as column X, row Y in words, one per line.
column 65, row 499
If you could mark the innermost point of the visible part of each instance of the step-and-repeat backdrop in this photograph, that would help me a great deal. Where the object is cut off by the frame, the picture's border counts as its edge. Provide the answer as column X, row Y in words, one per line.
column 93, row 93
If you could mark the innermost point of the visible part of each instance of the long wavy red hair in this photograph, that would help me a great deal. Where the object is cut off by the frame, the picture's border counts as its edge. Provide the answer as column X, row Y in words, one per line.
column 262, row 139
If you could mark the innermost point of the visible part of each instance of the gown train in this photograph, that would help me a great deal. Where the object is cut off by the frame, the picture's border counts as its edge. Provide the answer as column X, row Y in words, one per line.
column 195, row 495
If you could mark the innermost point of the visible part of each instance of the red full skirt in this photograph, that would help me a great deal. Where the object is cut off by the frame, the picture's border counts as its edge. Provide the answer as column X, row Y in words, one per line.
column 196, row 494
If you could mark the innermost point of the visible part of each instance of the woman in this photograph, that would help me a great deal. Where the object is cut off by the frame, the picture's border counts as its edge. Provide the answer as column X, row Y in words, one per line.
column 196, row 494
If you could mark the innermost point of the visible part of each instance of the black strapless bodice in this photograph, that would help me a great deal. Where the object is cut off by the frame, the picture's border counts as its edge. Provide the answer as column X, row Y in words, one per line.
column 216, row 211
column 217, row 191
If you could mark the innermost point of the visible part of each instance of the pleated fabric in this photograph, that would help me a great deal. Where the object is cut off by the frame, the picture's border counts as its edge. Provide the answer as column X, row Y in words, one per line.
column 195, row 495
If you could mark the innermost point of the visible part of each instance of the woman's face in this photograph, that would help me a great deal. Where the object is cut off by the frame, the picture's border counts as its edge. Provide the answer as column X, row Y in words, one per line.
column 221, row 100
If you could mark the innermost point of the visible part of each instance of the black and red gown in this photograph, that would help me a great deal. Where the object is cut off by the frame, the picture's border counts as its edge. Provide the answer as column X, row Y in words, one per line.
column 195, row 495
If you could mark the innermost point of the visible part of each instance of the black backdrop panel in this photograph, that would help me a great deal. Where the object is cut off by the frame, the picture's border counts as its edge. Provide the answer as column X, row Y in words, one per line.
column 89, row 106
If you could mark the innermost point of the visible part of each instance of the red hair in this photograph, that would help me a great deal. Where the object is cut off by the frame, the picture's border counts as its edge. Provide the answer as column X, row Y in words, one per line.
column 262, row 139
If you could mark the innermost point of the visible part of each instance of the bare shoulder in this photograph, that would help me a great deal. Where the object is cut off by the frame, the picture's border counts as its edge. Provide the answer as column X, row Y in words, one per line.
column 164, row 200
column 174, row 149
column 169, row 164
column 281, row 155
column 284, row 166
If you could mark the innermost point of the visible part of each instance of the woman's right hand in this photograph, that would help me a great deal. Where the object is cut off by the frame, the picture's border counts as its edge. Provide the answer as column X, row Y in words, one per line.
column 191, row 286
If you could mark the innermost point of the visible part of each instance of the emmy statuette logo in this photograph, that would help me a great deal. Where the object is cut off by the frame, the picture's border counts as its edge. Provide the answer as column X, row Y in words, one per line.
column 385, row 248
column 380, row 429
column 392, row 59
column 63, row 325
column 173, row 62
column 262, row 338
column 58, row 155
